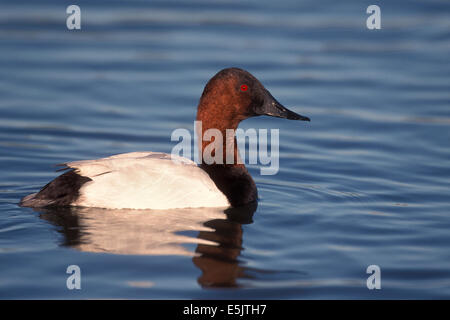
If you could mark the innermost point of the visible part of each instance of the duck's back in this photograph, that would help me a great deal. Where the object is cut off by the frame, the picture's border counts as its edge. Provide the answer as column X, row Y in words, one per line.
column 137, row 180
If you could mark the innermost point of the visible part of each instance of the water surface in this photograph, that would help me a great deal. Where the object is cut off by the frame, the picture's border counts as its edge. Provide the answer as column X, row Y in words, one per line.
column 366, row 182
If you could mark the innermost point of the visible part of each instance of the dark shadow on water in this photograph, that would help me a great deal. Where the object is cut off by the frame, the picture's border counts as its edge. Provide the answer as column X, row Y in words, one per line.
column 140, row 232
column 219, row 264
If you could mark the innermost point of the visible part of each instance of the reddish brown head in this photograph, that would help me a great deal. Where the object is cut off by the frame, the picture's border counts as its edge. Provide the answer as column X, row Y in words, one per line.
column 233, row 95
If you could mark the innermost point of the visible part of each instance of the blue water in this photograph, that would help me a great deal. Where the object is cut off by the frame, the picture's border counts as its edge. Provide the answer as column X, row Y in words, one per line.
column 366, row 182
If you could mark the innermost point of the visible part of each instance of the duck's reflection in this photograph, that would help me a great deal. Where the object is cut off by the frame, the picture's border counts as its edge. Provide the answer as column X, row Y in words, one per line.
column 142, row 232
column 219, row 264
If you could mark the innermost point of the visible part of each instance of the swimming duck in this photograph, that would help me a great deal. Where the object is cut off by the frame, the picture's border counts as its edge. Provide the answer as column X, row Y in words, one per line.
column 153, row 180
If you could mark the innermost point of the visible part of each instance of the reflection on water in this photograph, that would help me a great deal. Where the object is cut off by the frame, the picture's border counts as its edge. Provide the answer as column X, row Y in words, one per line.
column 143, row 232
column 219, row 264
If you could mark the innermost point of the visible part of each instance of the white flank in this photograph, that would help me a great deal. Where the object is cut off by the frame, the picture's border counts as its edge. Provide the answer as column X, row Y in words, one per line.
column 146, row 180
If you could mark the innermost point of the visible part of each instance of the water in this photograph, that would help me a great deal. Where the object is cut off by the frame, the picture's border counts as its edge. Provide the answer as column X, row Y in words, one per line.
column 365, row 183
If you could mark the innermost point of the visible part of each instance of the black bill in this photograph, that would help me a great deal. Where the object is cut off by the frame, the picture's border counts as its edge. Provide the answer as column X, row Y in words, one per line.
column 271, row 107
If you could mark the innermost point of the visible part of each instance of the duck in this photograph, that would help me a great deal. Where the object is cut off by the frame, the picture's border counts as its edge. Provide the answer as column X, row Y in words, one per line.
column 160, row 181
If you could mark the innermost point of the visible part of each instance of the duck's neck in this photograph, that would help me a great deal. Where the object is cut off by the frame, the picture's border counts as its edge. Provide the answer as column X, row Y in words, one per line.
column 217, row 144
column 225, row 169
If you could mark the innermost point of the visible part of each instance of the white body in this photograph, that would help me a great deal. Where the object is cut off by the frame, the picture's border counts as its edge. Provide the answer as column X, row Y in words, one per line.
column 146, row 180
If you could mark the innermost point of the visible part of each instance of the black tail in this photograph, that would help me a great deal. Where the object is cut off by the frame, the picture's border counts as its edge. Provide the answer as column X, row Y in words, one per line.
column 62, row 191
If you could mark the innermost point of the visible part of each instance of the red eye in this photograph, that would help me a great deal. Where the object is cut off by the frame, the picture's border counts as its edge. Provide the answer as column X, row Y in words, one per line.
column 244, row 87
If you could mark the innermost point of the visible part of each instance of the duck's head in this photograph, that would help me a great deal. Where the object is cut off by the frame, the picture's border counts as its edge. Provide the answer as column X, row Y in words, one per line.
column 233, row 95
